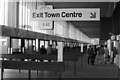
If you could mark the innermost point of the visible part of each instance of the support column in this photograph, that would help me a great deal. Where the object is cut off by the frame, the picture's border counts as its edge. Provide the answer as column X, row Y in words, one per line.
column 2, row 12
column 50, row 42
column 0, row 45
column 22, row 45
column 38, row 45
column 13, row 14
column 119, row 59
column 60, row 52
column 12, row 21
column 9, row 45
column 81, row 56
column 81, row 47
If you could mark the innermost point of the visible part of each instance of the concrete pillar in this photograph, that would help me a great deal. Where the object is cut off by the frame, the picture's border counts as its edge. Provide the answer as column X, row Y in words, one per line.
column 9, row 45
column 50, row 42
column 0, row 45
column 0, row 51
column 37, row 44
column 12, row 16
column 81, row 47
column 119, row 59
column 13, row 22
column 3, row 21
column 60, row 52
column 1, row 12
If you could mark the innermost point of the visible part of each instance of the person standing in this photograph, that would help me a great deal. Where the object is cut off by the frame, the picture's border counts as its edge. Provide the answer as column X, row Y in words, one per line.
column 49, row 51
column 114, row 54
column 43, row 50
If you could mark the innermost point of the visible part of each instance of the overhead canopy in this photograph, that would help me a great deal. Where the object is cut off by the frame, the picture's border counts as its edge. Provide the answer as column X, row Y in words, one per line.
column 80, row 0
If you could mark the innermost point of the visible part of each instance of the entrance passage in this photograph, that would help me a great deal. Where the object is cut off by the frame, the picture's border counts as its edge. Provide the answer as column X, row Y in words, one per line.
column 107, row 71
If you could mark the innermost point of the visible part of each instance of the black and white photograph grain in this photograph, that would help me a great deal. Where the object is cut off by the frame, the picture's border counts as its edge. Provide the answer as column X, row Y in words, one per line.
column 59, row 39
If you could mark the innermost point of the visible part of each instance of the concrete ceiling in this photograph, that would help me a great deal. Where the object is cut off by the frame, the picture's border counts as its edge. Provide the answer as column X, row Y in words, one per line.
column 106, row 8
column 90, row 28
column 79, row 0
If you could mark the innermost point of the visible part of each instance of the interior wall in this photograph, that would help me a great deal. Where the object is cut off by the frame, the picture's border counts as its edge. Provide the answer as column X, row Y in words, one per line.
column 111, row 25
column 105, row 28
column 116, row 20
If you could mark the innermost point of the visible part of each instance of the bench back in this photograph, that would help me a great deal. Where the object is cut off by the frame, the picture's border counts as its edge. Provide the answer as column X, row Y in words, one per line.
column 66, row 57
column 30, row 56
column 31, row 65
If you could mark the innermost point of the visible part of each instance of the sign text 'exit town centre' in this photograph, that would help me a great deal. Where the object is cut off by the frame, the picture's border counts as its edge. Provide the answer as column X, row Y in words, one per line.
column 66, row 14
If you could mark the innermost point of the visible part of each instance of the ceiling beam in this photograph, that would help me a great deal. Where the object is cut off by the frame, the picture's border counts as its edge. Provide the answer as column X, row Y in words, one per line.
column 80, row 0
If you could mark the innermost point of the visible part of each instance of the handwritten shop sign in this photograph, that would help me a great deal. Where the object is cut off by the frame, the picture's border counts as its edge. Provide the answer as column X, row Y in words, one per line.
column 66, row 14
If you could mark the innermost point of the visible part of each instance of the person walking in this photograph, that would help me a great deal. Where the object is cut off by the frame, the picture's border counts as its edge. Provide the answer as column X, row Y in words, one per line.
column 106, row 54
column 90, row 53
column 95, row 52
column 101, row 54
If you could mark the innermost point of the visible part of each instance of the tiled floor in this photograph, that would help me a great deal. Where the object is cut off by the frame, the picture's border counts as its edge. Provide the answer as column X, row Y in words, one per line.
column 84, row 71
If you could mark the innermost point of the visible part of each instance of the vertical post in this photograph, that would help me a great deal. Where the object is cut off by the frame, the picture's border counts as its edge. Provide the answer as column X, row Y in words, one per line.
column 119, row 59
column 29, row 74
column 81, row 47
column 81, row 55
column 118, row 67
column 28, row 44
column 17, row 15
column 22, row 49
column 51, row 42
column 75, row 68
column 2, row 70
column 32, row 45
column 38, row 44
column 60, row 52
column 35, row 44
column 44, row 43
column 38, row 48
column 36, row 5
column 22, row 45
column 59, row 75
column 9, row 40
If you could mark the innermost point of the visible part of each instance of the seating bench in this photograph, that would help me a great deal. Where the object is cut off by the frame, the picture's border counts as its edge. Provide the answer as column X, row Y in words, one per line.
column 66, row 57
column 32, row 65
